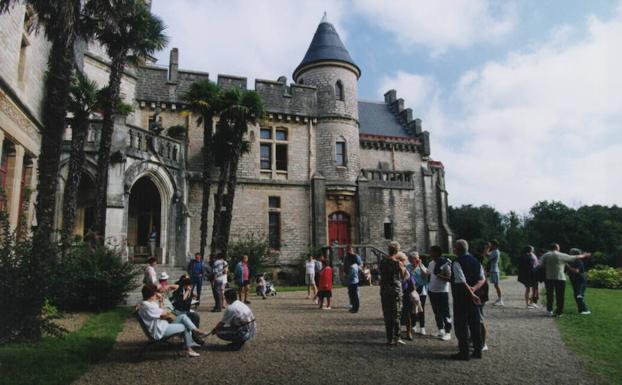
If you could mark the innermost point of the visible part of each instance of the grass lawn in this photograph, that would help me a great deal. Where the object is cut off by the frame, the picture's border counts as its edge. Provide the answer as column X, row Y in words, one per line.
column 596, row 337
column 61, row 360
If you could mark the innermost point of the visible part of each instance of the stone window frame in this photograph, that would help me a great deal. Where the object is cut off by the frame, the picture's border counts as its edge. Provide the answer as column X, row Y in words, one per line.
column 344, row 155
column 339, row 91
column 387, row 229
column 277, row 166
column 274, row 212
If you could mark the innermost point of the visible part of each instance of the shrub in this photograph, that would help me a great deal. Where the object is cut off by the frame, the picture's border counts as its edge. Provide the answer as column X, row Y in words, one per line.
column 92, row 279
column 605, row 276
column 256, row 247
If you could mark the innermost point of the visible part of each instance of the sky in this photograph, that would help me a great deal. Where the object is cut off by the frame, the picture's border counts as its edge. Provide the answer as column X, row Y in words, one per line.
column 522, row 99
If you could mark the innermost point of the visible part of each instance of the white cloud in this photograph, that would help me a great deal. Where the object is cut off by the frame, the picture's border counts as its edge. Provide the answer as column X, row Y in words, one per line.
column 543, row 124
column 440, row 24
column 257, row 39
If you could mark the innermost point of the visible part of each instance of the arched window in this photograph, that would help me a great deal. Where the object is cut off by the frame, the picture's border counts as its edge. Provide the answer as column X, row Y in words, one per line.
column 339, row 90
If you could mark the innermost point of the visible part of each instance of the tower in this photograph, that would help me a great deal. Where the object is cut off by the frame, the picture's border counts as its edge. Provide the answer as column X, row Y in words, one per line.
column 328, row 66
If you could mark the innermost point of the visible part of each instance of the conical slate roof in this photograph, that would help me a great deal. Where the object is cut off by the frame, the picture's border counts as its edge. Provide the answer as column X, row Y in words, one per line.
column 326, row 46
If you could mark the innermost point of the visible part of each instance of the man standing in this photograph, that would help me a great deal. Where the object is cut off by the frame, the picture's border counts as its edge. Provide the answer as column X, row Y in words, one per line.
column 153, row 241
column 492, row 252
column 150, row 276
column 553, row 263
column 353, row 286
column 196, row 271
column 220, row 271
column 351, row 259
column 438, row 290
column 310, row 276
column 467, row 278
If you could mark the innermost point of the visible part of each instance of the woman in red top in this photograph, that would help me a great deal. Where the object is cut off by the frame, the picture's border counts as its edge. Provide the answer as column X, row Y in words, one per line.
column 325, row 288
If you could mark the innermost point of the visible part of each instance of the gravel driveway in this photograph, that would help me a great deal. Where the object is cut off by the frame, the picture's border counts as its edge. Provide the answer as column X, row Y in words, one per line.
column 299, row 344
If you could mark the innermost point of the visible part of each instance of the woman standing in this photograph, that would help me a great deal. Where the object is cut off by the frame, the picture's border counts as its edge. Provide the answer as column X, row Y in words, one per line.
column 526, row 276
column 392, row 271
column 421, row 274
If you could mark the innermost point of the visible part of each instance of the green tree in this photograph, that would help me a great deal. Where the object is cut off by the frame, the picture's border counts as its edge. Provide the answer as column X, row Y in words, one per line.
column 63, row 23
column 83, row 100
column 240, row 108
column 129, row 32
column 476, row 224
column 204, row 98
column 553, row 222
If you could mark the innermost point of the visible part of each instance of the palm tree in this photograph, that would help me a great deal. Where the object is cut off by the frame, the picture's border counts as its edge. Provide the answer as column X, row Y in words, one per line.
column 63, row 24
column 129, row 32
column 84, row 98
column 204, row 98
column 240, row 108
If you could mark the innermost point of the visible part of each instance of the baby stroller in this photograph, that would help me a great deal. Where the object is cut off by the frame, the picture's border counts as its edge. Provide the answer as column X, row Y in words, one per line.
column 264, row 288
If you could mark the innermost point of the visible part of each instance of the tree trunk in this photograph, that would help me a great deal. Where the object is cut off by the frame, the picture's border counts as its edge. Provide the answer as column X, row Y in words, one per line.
column 76, row 162
column 103, row 156
column 218, row 203
column 58, row 80
column 232, row 182
column 208, row 162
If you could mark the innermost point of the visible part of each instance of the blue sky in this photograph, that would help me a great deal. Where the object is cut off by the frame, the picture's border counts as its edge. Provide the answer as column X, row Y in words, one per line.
column 521, row 98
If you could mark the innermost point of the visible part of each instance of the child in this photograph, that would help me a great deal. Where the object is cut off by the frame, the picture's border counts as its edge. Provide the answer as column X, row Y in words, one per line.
column 325, row 289
column 261, row 285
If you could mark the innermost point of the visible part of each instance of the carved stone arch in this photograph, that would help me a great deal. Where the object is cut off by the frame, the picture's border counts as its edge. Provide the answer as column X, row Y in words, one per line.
column 160, row 175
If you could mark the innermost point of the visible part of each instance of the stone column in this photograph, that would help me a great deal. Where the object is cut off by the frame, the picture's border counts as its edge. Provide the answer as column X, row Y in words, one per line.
column 363, row 207
column 16, row 186
column 318, row 212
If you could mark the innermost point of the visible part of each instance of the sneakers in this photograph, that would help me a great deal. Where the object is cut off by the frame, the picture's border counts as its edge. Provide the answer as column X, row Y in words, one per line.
column 422, row 331
column 498, row 302
column 400, row 342
column 446, row 337
column 550, row 313
column 192, row 353
column 326, row 308
column 535, row 306
column 587, row 312
column 415, row 329
column 485, row 348
column 440, row 333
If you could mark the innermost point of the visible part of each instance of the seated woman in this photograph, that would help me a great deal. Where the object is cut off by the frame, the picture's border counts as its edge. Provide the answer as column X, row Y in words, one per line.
column 237, row 324
column 157, row 319
column 182, row 300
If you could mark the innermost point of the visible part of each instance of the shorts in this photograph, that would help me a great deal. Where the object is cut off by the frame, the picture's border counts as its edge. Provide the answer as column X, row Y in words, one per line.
column 246, row 282
column 494, row 278
column 325, row 294
column 309, row 279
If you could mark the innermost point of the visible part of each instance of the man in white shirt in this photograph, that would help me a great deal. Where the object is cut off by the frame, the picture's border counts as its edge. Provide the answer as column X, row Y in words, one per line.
column 238, row 322
column 310, row 276
column 220, row 280
column 151, row 277
column 439, row 270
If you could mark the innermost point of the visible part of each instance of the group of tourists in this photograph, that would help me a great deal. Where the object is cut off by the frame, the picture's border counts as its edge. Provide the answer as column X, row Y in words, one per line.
column 167, row 309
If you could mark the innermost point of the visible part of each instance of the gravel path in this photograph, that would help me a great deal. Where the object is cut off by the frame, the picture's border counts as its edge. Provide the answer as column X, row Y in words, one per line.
column 297, row 343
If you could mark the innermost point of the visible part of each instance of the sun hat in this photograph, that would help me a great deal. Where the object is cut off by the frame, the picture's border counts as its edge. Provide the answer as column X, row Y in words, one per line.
column 163, row 276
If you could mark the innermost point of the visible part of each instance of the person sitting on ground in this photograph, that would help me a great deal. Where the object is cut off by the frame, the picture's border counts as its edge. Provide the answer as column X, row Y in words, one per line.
column 182, row 300
column 325, row 289
column 238, row 322
column 310, row 276
column 151, row 277
column 526, row 275
column 576, row 271
column 157, row 320
column 367, row 275
column 242, row 278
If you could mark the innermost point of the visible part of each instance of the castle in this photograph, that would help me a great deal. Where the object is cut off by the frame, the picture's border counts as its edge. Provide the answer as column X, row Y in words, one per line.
column 324, row 167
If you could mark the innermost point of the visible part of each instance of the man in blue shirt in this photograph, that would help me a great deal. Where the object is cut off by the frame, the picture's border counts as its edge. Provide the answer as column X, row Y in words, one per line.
column 196, row 270
column 494, row 256
column 353, row 286
column 466, row 279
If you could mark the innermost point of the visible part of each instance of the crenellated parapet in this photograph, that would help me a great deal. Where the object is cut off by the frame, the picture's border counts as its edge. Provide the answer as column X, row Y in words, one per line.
column 404, row 116
column 279, row 98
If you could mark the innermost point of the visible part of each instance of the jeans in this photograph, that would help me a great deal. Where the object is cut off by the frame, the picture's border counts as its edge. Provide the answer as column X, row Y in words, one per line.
column 198, row 283
column 194, row 316
column 237, row 335
column 218, row 290
column 182, row 324
column 353, row 293
column 440, row 306
column 421, row 316
column 557, row 287
column 467, row 320
column 578, row 287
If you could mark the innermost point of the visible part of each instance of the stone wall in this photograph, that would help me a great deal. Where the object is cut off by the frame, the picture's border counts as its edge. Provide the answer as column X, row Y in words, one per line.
column 396, row 160
column 324, row 79
column 328, row 132
column 397, row 206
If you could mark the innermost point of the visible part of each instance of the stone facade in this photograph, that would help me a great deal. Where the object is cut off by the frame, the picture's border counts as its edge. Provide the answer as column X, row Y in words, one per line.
column 323, row 166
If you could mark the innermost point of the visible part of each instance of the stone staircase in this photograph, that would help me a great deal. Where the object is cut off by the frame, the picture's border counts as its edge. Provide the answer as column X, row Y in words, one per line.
column 134, row 297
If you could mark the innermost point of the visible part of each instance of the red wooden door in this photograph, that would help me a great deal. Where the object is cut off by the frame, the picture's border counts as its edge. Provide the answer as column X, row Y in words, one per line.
column 339, row 229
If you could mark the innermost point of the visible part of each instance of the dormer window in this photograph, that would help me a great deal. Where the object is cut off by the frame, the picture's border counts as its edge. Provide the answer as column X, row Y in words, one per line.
column 339, row 90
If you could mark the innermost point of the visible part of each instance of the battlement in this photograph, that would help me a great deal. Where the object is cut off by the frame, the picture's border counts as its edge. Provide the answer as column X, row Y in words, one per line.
column 295, row 99
column 405, row 118
column 230, row 81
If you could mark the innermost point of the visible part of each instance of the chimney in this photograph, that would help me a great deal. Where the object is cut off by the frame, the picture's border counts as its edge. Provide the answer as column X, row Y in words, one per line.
column 390, row 96
column 173, row 66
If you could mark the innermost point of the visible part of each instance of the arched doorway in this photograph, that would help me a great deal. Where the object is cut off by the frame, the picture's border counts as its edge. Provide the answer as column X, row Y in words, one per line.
column 85, row 206
column 339, row 229
column 144, row 216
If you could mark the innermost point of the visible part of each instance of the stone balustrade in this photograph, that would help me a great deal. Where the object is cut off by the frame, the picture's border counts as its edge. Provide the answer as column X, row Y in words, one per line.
column 388, row 178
